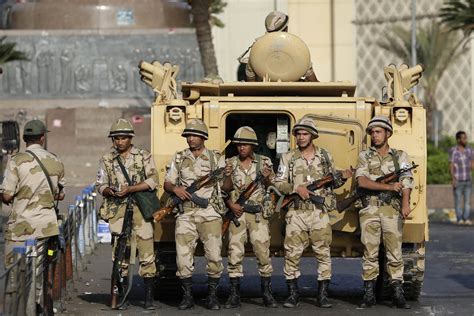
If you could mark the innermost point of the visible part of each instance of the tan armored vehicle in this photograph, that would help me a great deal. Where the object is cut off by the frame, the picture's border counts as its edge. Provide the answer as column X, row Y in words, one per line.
column 271, row 107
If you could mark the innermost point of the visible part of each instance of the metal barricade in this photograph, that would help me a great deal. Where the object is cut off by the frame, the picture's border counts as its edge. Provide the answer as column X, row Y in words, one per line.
column 42, row 274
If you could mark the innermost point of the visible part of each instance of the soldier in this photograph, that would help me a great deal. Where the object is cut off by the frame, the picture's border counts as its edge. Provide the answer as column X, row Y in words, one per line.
column 27, row 187
column 275, row 21
column 383, row 217
column 307, row 222
column 246, row 165
column 196, row 222
column 112, row 184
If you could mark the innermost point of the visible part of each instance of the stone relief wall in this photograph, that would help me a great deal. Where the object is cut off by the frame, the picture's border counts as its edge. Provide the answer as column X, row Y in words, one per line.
column 94, row 65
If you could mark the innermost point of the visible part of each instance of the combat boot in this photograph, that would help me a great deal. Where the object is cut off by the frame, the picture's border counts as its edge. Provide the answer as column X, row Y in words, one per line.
column 293, row 299
column 323, row 301
column 187, row 301
column 369, row 295
column 149, row 297
column 212, row 301
column 234, row 298
column 266, row 286
column 398, row 300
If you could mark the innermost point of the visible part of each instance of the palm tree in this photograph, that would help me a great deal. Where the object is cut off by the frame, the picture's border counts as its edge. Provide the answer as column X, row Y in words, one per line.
column 203, row 12
column 458, row 15
column 436, row 49
column 8, row 52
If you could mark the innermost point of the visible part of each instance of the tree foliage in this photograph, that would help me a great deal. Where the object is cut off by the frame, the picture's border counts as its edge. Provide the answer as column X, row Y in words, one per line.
column 204, row 17
column 458, row 15
column 8, row 52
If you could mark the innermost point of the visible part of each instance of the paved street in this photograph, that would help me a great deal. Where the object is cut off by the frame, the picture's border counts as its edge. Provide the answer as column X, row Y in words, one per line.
column 448, row 288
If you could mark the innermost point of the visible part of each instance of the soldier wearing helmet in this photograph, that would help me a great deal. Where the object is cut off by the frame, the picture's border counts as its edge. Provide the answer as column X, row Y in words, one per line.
column 308, row 222
column 33, row 181
column 196, row 222
column 275, row 21
column 114, row 187
column 245, row 168
column 383, row 211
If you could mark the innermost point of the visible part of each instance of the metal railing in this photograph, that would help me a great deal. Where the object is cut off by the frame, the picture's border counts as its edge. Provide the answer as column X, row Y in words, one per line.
column 43, row 271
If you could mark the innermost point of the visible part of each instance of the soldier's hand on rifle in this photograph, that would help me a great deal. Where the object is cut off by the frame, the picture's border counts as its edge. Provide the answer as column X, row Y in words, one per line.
column 303, row 191
column 108, row 192
column 396, row 187
column 266, row 172
column 182, row 193
column 346, row 174
column 228, row 170
column 236, row 209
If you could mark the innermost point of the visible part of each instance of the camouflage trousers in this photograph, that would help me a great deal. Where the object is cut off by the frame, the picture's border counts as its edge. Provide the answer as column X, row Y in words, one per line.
column 303, row 227
column 259, row 234
column 42, row 244
column 189, row 229
column 143, row 230
column 378, row 224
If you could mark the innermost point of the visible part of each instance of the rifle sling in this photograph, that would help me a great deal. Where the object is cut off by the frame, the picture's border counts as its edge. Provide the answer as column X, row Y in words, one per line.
column 48, row 178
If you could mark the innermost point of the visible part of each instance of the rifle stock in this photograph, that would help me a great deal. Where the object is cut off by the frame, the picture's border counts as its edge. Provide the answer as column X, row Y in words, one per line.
column 162, row 212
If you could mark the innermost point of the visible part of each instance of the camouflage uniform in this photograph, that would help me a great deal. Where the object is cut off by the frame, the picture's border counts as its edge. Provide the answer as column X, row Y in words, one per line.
column 307, row 222
column 32, row 214
column 382, row 219
column 140, row 166
column 196, row 223
column 256, row 225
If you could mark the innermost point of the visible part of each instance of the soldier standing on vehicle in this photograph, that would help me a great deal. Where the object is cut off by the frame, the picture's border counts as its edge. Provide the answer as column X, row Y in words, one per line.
column 245, row 168
column 27, row 187
column 383, row 211
column 112, row 184
column 275, row 21
column 307, row 222
column 196, row 222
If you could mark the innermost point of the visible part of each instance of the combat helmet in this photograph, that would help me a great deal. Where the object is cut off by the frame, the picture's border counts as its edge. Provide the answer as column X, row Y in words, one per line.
column 306, row 124
column 380, row 121
column 245, row 135
column 195, row 127
column 121, row 127
column 276, row 21
column 34, row 127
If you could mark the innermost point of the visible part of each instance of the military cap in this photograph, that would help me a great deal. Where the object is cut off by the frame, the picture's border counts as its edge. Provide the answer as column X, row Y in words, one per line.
column 245, row 135
column 380, row 121
column 34, row 127
column 306, row 124
column 195, row 127
column 276, row 21
column 121, row 127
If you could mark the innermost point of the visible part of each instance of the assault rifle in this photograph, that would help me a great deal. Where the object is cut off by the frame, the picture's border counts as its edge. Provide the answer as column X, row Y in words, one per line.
column 294, row 198
column 120, row 240
column 360, row 193
column 242, row 201
column 207, row 180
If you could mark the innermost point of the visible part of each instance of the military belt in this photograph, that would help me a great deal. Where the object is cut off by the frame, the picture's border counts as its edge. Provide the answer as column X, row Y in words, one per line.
column 190, row 204
column 374, row 200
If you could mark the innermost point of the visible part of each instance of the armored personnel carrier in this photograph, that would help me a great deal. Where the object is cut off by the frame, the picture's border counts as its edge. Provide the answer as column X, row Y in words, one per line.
column 271, row 107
